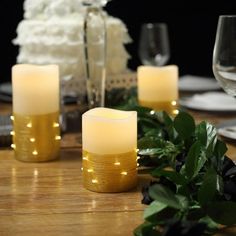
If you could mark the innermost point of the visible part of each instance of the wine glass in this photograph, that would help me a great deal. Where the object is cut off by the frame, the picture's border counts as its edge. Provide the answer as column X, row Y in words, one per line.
column 154, row 46
column 224, row 55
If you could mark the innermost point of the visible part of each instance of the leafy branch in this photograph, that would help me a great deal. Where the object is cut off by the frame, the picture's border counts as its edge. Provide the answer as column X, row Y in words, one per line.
column 195, row 182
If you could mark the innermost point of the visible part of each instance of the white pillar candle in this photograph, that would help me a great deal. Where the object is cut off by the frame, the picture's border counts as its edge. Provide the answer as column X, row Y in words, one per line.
column 36, row 133
column 109, row 150
column 158, row 87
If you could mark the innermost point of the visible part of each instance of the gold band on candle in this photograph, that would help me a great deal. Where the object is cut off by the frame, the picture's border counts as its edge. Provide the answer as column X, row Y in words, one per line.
column 109, row 150
column 158, row 88
column 36, row 138
column 109, row 173
column 36, row 134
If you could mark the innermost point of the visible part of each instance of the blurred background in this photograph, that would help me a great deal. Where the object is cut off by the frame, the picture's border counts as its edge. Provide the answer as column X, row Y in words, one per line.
column 191, row 25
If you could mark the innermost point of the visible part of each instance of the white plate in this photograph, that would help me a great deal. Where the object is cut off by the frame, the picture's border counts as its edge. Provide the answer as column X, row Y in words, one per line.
column 6, row 88
column 6, row 92
column 227, row 129
column 192, row 83
column 211, row 101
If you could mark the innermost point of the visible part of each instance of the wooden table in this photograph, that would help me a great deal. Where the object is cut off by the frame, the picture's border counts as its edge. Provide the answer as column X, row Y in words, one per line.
column 48, row 198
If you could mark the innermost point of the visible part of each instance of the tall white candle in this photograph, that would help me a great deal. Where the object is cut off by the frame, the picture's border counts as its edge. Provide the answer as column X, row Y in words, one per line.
column 109, row 149
column 158, row 87
column 36, row 132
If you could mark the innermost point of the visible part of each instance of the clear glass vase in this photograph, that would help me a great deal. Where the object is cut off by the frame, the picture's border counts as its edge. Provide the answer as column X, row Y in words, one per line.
column 95, row 44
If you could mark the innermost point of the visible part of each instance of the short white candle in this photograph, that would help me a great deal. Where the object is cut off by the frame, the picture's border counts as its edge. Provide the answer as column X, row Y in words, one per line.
column 158, row 86
column 36, row 112
column 109, row 149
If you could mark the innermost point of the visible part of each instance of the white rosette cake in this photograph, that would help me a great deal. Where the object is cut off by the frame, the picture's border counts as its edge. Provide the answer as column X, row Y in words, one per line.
column 52, row 32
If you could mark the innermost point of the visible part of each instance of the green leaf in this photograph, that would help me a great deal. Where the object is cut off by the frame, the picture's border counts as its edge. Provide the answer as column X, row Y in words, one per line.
column 184, row 190
column 206, row 133
column 183, row 201
column 201, row 161
column 218, row 155
column 184, row 125
column 148, row 122
column 212, row 226
column 165, row 196
column 163, row 117
column 148, row 142
column 209, row 187
column 158, row 147
column 146, row 229
column 220, row 184
column 154, row 133
column 150, row 151
column 196, row 214
column 173, row 176
column 220, row 149
column 210, row 149
column 211, row 134
column 164, row 215
column 154, row 208
column 192, row 160
column 201, row 133
column 222, row 212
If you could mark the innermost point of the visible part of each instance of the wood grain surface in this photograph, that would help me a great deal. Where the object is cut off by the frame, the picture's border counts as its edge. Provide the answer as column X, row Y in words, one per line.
column 49, row 199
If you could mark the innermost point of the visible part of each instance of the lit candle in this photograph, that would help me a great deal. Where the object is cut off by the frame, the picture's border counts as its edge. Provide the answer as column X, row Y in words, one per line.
column 36, row 112
column 158, row 87
column 109, row 150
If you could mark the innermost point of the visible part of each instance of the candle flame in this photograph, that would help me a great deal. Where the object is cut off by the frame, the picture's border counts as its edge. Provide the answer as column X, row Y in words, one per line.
column 12, row 118
column 90, row 170
column 12, row 133
column 94, row 181
column 13, row 146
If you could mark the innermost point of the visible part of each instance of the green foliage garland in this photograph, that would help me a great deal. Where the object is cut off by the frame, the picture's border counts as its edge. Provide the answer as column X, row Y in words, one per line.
column 195, row 187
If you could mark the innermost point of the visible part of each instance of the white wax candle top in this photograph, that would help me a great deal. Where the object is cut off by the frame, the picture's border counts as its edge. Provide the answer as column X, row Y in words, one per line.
column 158, row 83
column 35, row 89
column 109, row 131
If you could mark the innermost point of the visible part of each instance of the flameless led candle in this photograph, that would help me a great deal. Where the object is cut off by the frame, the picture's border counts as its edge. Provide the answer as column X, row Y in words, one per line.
column 158, row 87
column 36, row 135
column 109, row 150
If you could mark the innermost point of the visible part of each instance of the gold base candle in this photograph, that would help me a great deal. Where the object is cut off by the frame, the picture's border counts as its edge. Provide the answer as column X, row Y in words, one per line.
column 36, row 137
column 170, row 107
column 109, row 150
column 36, row 131
column 158, row 88
column 109, row 173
